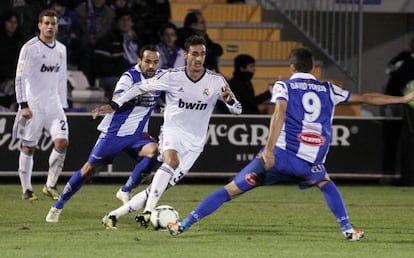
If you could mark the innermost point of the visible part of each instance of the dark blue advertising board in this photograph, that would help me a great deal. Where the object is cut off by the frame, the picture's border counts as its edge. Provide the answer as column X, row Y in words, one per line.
column 365, row 147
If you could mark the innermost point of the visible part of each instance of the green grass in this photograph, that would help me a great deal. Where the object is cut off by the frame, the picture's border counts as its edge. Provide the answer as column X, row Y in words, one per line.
column 267, row 222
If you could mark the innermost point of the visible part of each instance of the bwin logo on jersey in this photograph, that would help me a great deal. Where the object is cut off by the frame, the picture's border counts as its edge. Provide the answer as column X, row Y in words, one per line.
column 193, row 106
column 50, row 68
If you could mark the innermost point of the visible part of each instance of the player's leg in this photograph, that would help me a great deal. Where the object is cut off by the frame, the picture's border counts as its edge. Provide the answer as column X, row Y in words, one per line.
column 159, row 183
column 59, row 131
column 103, row 153
column 336, row 204
column 136, row 203
column 148, row 151
column 25, row 171
column 29, row 131
column 248, row 178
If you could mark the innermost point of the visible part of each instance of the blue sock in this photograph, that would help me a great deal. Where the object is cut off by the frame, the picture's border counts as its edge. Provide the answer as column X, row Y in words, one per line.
column 206, row 207
column 336, row 204
column 134, row 179
column 73, row 185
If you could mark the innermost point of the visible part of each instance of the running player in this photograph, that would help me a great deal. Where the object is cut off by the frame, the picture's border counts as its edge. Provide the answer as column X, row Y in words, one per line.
column 123, row 130
column 191, row 94
column 41, row 94
column 297, row 145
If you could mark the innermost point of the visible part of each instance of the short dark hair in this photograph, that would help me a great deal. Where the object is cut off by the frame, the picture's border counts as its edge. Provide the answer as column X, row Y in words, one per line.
column 145, row 48
column 48, row 13
column 242, row 61
column 302, row 59
column 192, row 41
column 191, row 17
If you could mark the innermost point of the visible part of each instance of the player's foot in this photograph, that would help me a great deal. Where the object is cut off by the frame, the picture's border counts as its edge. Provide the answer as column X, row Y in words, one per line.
column 143, row 219
column 29, row 195
column 353, row 235
column 51, row 192
column 53, row 215
column 124, row 197
column 175, row 228
column 109, row 222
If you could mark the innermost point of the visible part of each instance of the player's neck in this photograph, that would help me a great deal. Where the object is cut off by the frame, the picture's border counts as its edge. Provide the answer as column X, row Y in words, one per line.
column 47, row 40
column 195, row 74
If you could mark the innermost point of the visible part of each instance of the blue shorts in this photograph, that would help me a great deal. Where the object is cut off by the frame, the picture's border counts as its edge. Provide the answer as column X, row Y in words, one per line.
column 287, row 168
column 108, row 147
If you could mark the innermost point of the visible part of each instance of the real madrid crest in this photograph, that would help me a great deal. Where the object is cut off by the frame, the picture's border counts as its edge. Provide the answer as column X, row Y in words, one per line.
column 206, row 92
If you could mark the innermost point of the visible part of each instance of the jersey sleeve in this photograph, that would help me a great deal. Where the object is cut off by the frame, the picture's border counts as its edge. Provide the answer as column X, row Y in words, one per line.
column 159, row 82
column 339, row 95
column 22, row 72
column 63, row 88
column 279, row 91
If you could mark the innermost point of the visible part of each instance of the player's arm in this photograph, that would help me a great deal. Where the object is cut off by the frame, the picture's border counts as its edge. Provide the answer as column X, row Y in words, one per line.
column 276, row 124
column 379, row 98
column 62, row 84
column 228, row 97
column 22, row 72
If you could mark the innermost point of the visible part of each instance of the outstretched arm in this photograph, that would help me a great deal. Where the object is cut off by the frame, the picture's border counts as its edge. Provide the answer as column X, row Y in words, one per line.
column 380, row 99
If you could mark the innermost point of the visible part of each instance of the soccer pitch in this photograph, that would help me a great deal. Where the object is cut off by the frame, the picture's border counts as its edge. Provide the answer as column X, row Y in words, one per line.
column 275, row 221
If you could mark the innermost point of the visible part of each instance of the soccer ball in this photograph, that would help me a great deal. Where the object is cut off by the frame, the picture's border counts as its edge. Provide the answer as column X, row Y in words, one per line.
column 162, row 215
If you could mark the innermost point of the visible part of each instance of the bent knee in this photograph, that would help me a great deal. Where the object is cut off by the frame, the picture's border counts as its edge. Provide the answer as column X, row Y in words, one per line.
column 232, row 189
column 149, row 150
column 61, row 144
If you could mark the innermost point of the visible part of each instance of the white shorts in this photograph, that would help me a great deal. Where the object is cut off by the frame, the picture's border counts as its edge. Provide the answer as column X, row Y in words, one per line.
column 187, row 157
column 30, row 130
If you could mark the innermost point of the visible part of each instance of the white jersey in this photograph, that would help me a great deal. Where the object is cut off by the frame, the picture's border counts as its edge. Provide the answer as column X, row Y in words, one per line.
column 189, row 104
column 41, row 77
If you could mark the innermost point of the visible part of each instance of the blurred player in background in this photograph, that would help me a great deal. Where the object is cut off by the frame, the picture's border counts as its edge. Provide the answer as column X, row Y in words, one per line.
column 41, row 94
column 123, row 130
column 191, row 94
column 297, row 145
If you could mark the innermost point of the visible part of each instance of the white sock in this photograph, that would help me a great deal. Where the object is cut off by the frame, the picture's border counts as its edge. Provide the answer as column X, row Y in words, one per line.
column 56, row 160
column 158, row 185
column 25, row 171
column 136, row 203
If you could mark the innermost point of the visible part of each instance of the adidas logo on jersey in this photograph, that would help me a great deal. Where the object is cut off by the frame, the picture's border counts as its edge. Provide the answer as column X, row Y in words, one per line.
column 193, row 106
column 50, row 68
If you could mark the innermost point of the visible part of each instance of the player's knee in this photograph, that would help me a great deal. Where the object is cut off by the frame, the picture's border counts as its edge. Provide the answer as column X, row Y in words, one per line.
column 61, row 144
column 88, row 170
column 150, row 150
column 28, row 150
column 232, row 189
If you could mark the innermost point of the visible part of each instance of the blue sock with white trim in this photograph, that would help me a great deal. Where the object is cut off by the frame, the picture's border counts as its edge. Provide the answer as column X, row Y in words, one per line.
column 134, row 179
column 206, row 207
column 73, row 185
column 336, row 204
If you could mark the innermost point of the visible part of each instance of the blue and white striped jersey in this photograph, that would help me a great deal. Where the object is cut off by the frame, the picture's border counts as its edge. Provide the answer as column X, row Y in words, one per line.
column 306, row 132
column 133, row 116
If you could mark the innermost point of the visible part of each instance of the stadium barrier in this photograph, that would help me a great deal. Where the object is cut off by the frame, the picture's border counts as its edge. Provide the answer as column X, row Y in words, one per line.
column 357, row 148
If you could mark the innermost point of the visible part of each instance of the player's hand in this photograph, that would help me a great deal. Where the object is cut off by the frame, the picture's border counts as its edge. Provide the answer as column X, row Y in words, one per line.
column 226, row 94
column 268, row 158
column 26, row 113
column 409, row 97
column 105, row 109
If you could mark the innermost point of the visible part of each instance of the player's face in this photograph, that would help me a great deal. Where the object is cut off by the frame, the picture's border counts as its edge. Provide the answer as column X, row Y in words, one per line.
column 149, row 63
column 195, row 58
column 48, row 27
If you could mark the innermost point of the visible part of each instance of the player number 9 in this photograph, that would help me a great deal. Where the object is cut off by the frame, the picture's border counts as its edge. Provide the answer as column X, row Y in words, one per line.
column 312, row 105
